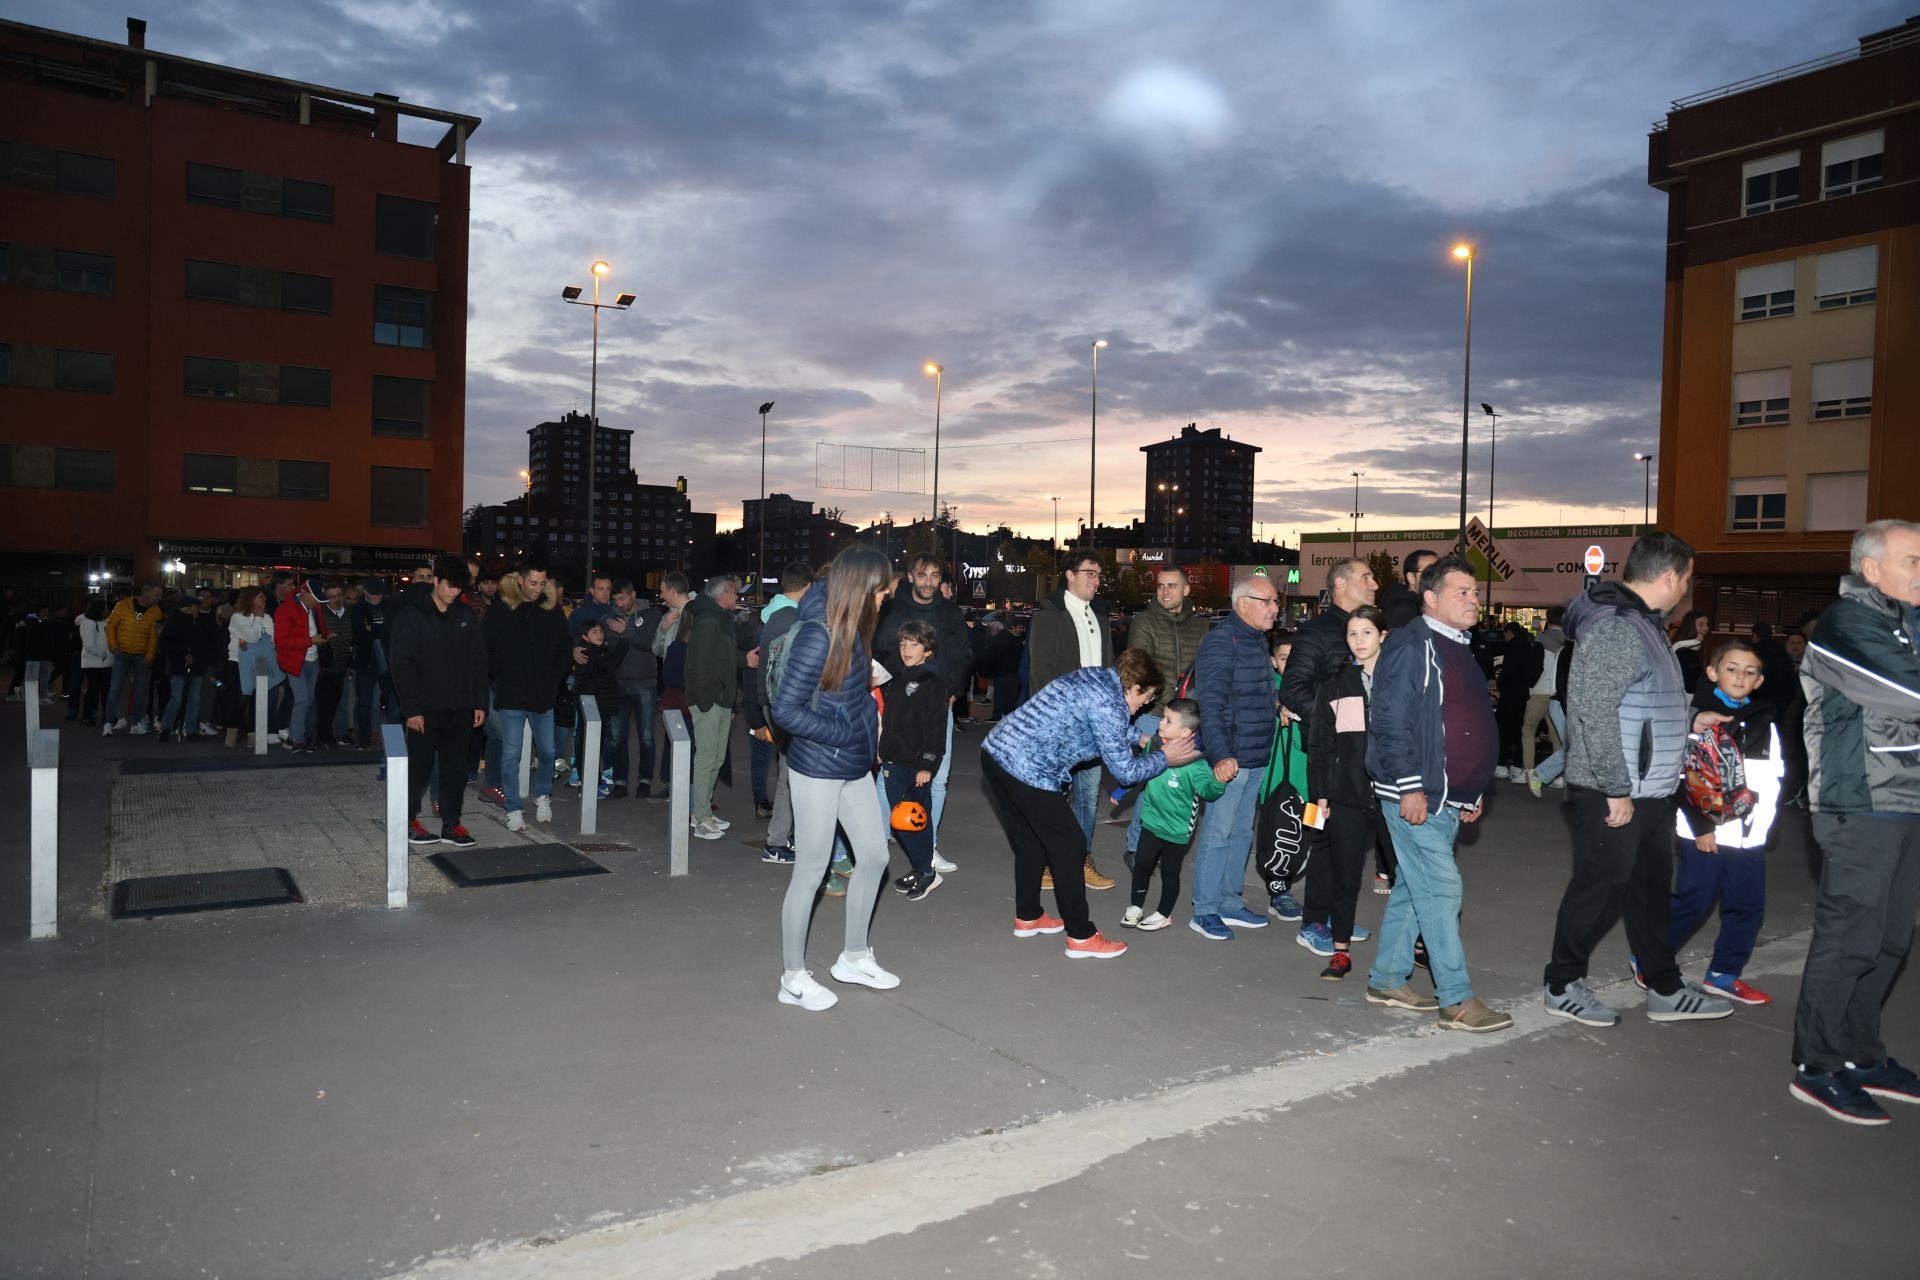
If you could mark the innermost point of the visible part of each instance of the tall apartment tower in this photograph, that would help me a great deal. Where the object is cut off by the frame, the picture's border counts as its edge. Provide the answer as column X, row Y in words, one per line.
column 557, row 459
column 1199, row 498
column 1790, row 399
column 232, row 318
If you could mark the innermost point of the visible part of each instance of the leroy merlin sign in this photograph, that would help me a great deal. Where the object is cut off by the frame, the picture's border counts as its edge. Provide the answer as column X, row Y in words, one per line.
column 1532, row 566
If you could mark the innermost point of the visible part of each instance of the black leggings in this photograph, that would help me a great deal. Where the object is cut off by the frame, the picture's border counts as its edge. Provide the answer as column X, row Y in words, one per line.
column 1168, row 856
column 1351, row 833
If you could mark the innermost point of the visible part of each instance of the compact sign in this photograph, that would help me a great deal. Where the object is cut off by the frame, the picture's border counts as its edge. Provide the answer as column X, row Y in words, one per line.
column 1533, row 566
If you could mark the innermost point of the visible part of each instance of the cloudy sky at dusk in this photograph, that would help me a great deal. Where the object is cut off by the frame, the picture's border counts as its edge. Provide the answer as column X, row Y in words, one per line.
column 1251, row 201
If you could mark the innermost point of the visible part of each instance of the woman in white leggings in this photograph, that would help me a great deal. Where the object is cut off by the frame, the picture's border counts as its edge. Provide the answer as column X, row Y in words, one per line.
column 821, row 695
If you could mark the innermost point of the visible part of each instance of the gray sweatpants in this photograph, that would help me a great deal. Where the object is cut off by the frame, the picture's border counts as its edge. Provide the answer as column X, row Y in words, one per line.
column 819, row 805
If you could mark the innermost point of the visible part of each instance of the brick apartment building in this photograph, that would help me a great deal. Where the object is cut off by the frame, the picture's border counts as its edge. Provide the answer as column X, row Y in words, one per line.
column 232, row 318
column 1199, row 495
column 1790, row 404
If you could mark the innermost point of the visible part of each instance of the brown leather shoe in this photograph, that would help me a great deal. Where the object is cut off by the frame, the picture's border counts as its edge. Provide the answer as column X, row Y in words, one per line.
column 1094, row 879
column 1046, row 878
column 1471, row 1015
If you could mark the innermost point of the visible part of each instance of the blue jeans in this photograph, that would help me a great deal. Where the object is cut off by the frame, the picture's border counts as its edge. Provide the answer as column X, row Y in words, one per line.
column 1086, row 798
column 179, row 707
column 634, row 705
column 299, row 728
column 1738, row 878
column 373, row 703
column 129, row 671
column 1148, row 724
column 1425, row 904
column 940, row 784
column 513, row 733
column 1550, row 768
column 1225, row 843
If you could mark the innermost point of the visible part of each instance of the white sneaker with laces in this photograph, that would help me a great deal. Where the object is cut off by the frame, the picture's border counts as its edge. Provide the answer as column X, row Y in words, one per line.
column 801, row 989
column 718, row 821
column 1152, row 922
column 543, row 808
column 1130, row 918
column 516, row 820
column 863, row 969
column 944, row 867
column 119, row 724
column 139, row 727
column 106, row 730
column 707, row 831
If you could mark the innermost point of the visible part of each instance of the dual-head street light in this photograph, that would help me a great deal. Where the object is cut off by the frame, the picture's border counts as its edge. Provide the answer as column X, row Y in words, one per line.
column 571, row 293
column 760, row 587
column 1646, row 489
column 1464, row 252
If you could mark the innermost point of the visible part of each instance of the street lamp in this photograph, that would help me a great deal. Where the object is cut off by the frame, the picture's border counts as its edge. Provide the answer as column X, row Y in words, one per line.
column 1093, row 437
column 526, row 479
column 938, row 372
column 1357, row 512
column 760, row 562
column 571, row 294
column 1464, row 252
column 1493, row 456
column 1056, row 522
column 1646, row 490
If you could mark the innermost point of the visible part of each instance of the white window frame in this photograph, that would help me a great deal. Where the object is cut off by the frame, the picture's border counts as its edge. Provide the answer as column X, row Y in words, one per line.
column 1840, row 281
column 1764, row 292
column 1763, row 168
column 1759, row 488
column 1853, row 398
column 1851, row 155
column 1766, row 405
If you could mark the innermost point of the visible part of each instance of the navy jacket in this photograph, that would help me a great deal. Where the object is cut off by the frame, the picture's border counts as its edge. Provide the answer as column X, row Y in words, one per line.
column 836, row 732
column 1233, row 682
column 1406, row 732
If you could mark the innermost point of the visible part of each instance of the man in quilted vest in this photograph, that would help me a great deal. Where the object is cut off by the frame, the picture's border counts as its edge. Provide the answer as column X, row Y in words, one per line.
column 1628, row 716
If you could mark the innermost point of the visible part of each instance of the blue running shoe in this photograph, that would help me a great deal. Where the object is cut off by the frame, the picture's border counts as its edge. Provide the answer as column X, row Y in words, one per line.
column 1360, row 934
column 1241, row 918
column 1285, row 908
column 1210, row 927
column 1316, row 938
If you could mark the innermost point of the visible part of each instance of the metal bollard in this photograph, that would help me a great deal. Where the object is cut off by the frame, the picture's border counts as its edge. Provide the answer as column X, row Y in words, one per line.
column 679, row 734
column 589, row 764
column 393, row 739
column 36, row 682
column 43, row 896
column 260, row 714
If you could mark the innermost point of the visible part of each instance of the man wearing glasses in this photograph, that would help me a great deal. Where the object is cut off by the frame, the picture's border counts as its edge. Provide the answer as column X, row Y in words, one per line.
column 1233, row 682
column 1070, row 630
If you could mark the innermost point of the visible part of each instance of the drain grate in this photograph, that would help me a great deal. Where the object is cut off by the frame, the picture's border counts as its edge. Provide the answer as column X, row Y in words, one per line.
column 203, row 891
column 515, row 864
column 607, row 846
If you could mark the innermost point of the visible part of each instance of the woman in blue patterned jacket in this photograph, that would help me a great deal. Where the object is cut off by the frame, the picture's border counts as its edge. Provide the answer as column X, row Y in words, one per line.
column 1027, row 761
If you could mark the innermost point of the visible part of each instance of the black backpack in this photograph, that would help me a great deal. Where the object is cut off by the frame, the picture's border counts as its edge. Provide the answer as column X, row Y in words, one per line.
column 1279, row 846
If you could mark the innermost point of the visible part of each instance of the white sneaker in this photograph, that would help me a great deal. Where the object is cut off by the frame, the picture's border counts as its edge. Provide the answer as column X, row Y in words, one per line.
column 561, row 768
column 106, row 730
column 139, row 727
column 1152, row 922
column 863, row 969
column 718, row 821
column 543, row 808
column 516, row 820
column 118, row 725
column 802, row 990
column 944, row 867
column 1558, row 784
column 275, row 739
column 707, row 831
column 208, row 729
column 1130, row 918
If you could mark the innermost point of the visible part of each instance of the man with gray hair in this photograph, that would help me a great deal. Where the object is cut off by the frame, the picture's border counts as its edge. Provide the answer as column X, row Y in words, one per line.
column 1861, row 675
column 713, row 685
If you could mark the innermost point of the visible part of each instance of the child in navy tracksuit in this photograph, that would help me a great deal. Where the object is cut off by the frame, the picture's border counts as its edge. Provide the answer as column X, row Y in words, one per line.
column 913, row 737
column 1729, row 861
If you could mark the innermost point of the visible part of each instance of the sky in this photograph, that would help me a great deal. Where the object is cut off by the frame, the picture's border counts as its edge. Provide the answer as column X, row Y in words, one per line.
column 1252, row 202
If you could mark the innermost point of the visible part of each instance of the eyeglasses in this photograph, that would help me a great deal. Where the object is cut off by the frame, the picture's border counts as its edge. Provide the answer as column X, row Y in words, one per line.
column 1086, row 573
column 1272, row 600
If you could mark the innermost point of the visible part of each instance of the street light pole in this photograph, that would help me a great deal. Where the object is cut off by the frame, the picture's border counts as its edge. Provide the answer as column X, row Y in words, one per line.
column 760, row 561
column 1464, row 252
column 1093, row 436
column 571, row 293
column 1646, row 490
column 1357, row 512
column 939, row 373
column 1056, row 523
column 1493, row 457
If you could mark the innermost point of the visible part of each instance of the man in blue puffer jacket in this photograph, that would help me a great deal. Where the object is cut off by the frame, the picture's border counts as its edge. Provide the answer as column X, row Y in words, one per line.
column 1233, row 682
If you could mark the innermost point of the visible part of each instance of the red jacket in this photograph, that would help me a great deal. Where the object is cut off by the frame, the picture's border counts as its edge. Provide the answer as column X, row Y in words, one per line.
column 290, row 639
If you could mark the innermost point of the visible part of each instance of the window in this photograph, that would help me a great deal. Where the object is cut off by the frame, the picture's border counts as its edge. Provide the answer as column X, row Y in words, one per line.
column 6, row 262
column 84, row 272
column 403, row 227
column 6, row 363
column 1843, row 389
column 1759, row 503
column 219, row 379
column 209, row 473
column 306, row 293
column 83, row 469
column 310, row 200
column 400, row 316
column 216, row 281
column 1765, row 291
column 1837, row 500
column 303, row 481
column 1851, row 165
column 400, row 407
column 313, row 387
column 83, row 371
column 1773, row 183
column 1762, row 398
column 210, row 184
column 400, row 497
column 1847, row 278
column 80, row 175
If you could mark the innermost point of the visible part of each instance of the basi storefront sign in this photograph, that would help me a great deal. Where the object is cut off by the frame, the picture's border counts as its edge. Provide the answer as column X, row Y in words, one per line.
column 1532, row 566
column 300, row 555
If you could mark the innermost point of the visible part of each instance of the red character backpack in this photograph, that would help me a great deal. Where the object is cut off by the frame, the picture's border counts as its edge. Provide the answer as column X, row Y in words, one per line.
column 1716, row 776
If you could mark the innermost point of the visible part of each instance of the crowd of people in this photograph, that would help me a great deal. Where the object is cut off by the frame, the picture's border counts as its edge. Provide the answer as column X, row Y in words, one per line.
column 1378, row 727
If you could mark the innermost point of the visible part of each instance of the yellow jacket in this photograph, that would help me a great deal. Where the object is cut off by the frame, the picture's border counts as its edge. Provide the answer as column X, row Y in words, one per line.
column 129, row 631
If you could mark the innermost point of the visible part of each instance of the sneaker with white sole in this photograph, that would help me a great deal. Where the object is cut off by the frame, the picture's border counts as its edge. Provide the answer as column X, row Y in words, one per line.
column 1577, row 1002
column 106, row 730
column 714, row 820
column 1688, row 1004
column 944, row 867
column 1153, row 923
column 864, row 970
column 1130, row 918
column 139, row 727
column 543, row 808
column 516, row 820
column 707, row 831
column 801, row 989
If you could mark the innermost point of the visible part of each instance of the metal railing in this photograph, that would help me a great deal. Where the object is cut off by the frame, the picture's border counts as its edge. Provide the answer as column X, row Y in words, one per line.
column 1895, row 39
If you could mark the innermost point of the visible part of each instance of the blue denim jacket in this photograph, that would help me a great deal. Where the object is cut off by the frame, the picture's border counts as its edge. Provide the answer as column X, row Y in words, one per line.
column 1077, row 717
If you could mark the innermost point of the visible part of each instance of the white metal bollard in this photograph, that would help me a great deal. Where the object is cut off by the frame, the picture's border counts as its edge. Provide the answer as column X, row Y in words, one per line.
column 393, row 739
column 36, row 684
column 260, row 714
column 43, row 897
column 679, row 733
column 589, row 764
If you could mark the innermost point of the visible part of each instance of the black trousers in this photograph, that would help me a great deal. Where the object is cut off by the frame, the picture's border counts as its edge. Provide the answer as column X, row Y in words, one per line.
column 1161, row 852
column 1862, row 930
column 1351, row 833
column 1618, row 873
column 331, row 686
column 1045, row 836
column 1318, row 848
column 445, row 743
column 1511, row 717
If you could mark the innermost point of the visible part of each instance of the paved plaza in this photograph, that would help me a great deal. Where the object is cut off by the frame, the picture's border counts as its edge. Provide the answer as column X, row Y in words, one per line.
column 591, row 1077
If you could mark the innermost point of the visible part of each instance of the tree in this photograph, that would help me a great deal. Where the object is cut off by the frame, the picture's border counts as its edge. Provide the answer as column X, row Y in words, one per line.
column 1042, row 565
column 471, row 522
column 833, row 513
column 923, row 541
